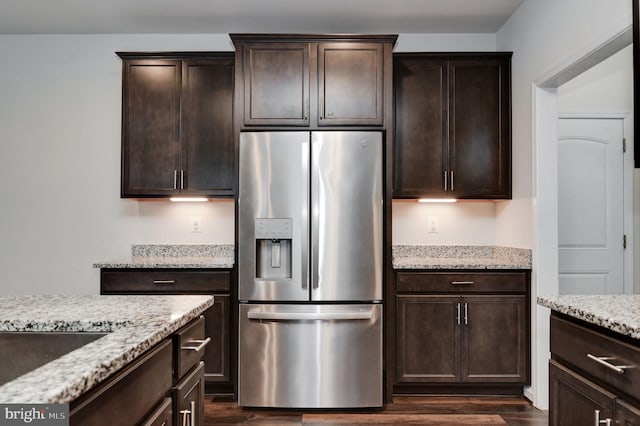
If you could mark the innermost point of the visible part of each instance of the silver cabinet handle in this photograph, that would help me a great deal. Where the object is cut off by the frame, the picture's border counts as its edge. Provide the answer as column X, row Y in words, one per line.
column 603, row 360
column 201, row 344
column 458, row 313
column 175, row 179
column 445, row 179
column 188, row 416
column 181, row 179
column 462, row 283
column 161, row 282
column 310, row 316
column 598, row 422
column 452, row 180
column 466, row 317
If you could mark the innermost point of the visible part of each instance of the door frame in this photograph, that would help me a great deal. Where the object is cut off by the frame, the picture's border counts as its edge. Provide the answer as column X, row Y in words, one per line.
column 627, row 182
column 544, row 141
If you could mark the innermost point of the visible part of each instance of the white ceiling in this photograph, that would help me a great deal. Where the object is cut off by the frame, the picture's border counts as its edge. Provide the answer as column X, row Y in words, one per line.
column 243, row 16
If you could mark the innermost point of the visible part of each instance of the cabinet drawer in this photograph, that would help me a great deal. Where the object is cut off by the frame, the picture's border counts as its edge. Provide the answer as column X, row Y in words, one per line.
column 627, row 414
column 188, row 399
column 161, row 416
column 189, row 344
column 130, row 395
column 578, row 346
column 463, row 282
column 163, row 282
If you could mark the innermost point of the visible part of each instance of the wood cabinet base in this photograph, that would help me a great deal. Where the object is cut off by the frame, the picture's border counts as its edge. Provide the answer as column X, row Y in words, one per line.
column 459, row 389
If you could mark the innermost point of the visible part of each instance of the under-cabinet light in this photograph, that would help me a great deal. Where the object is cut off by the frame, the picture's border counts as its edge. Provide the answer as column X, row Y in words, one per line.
column 188, row 199
column 437, row 200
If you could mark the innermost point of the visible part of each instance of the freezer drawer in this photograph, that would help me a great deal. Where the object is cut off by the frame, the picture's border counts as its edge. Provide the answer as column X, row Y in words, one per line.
column 310, row 356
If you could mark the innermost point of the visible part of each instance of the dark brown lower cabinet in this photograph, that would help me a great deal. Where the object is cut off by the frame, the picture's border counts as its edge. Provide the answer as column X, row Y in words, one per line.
column 217, row 319
column 575, row 401
column 161, row 416
column 584, row 386
column 462, row 330
column 188, row 399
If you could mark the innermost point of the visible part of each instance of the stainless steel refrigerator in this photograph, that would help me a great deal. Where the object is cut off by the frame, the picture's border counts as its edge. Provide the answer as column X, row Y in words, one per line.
column 310, row 269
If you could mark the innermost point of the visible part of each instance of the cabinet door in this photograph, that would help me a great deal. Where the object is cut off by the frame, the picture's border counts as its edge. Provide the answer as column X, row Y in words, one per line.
column 276, row 84
column 573, row 400
column 217, row 354
column 188, row 399
column 350, row 77
column 150, row 127
column 479, row 128
column 627, row 414
column 495, row 345
column 420, row 153
column 428, row 330
column 208, row 151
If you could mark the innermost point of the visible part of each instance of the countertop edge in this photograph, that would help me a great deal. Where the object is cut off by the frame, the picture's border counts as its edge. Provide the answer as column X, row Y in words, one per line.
column 134, row 337
column 606, row 319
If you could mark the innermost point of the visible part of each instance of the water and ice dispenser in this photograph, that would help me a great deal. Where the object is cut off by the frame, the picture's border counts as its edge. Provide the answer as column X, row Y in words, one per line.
column 273, row 248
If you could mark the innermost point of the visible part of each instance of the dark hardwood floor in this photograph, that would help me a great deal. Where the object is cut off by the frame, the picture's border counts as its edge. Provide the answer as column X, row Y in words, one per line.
column 448, row 411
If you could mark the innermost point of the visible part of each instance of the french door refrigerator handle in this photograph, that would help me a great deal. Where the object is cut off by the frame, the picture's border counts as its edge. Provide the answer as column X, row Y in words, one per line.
column 306, row 214
column 310, row 316
column 316, row 142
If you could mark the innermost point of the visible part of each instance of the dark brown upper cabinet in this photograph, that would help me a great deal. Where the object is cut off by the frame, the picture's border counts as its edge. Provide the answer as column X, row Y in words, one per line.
column 177, row 125
column 453, row 125
column 312, row 80
column 276, row 84
column 350, row 84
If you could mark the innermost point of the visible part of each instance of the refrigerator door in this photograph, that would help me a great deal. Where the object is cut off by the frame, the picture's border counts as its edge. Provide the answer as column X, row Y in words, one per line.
column 347, row 219
column 310, row 356
column 273, row 241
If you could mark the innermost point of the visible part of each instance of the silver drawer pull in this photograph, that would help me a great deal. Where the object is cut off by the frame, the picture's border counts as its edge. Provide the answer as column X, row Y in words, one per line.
column 598, row 422
column 201, row 344
column 462, row 283
column 160, row 282
column 189, row 416
column 602, row 360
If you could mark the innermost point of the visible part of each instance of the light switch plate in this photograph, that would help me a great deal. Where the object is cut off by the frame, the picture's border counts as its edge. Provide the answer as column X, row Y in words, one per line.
column 434, row 224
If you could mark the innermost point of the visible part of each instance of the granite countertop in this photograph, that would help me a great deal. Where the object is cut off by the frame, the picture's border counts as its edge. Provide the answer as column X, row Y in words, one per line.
column 460, row 257
column 134, row 324
column 619, row 313
column 175, row 256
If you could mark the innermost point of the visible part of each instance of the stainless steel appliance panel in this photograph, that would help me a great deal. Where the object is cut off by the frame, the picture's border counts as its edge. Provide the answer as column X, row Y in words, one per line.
column 347, row 219
column 273, row 216
column 310, row 356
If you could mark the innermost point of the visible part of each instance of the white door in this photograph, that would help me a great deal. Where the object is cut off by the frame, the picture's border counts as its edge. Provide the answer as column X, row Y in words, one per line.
column 590, row 206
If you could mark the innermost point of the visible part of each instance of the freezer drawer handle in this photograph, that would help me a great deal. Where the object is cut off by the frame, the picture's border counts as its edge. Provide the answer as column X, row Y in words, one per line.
column 201, row 344
column 312, row 316
column 160, row 282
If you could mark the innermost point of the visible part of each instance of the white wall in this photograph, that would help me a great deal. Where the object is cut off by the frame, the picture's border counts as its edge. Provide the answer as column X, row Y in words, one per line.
column 605, row 88
column 466, row 223
column 546, row 36
column 60, row 149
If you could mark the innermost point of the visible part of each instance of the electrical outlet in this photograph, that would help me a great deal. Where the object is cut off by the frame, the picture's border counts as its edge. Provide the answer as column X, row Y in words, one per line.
column 196, row 224
column 434, row 224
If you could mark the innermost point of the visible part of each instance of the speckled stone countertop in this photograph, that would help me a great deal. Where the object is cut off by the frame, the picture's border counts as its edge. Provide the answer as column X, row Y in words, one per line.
column 460, row 257
column 619, row 313
column 134, row 324
column 175, row 256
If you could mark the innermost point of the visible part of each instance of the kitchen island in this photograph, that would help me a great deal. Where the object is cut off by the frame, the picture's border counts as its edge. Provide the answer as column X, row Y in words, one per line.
column 135, row 325
column 595, row 354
